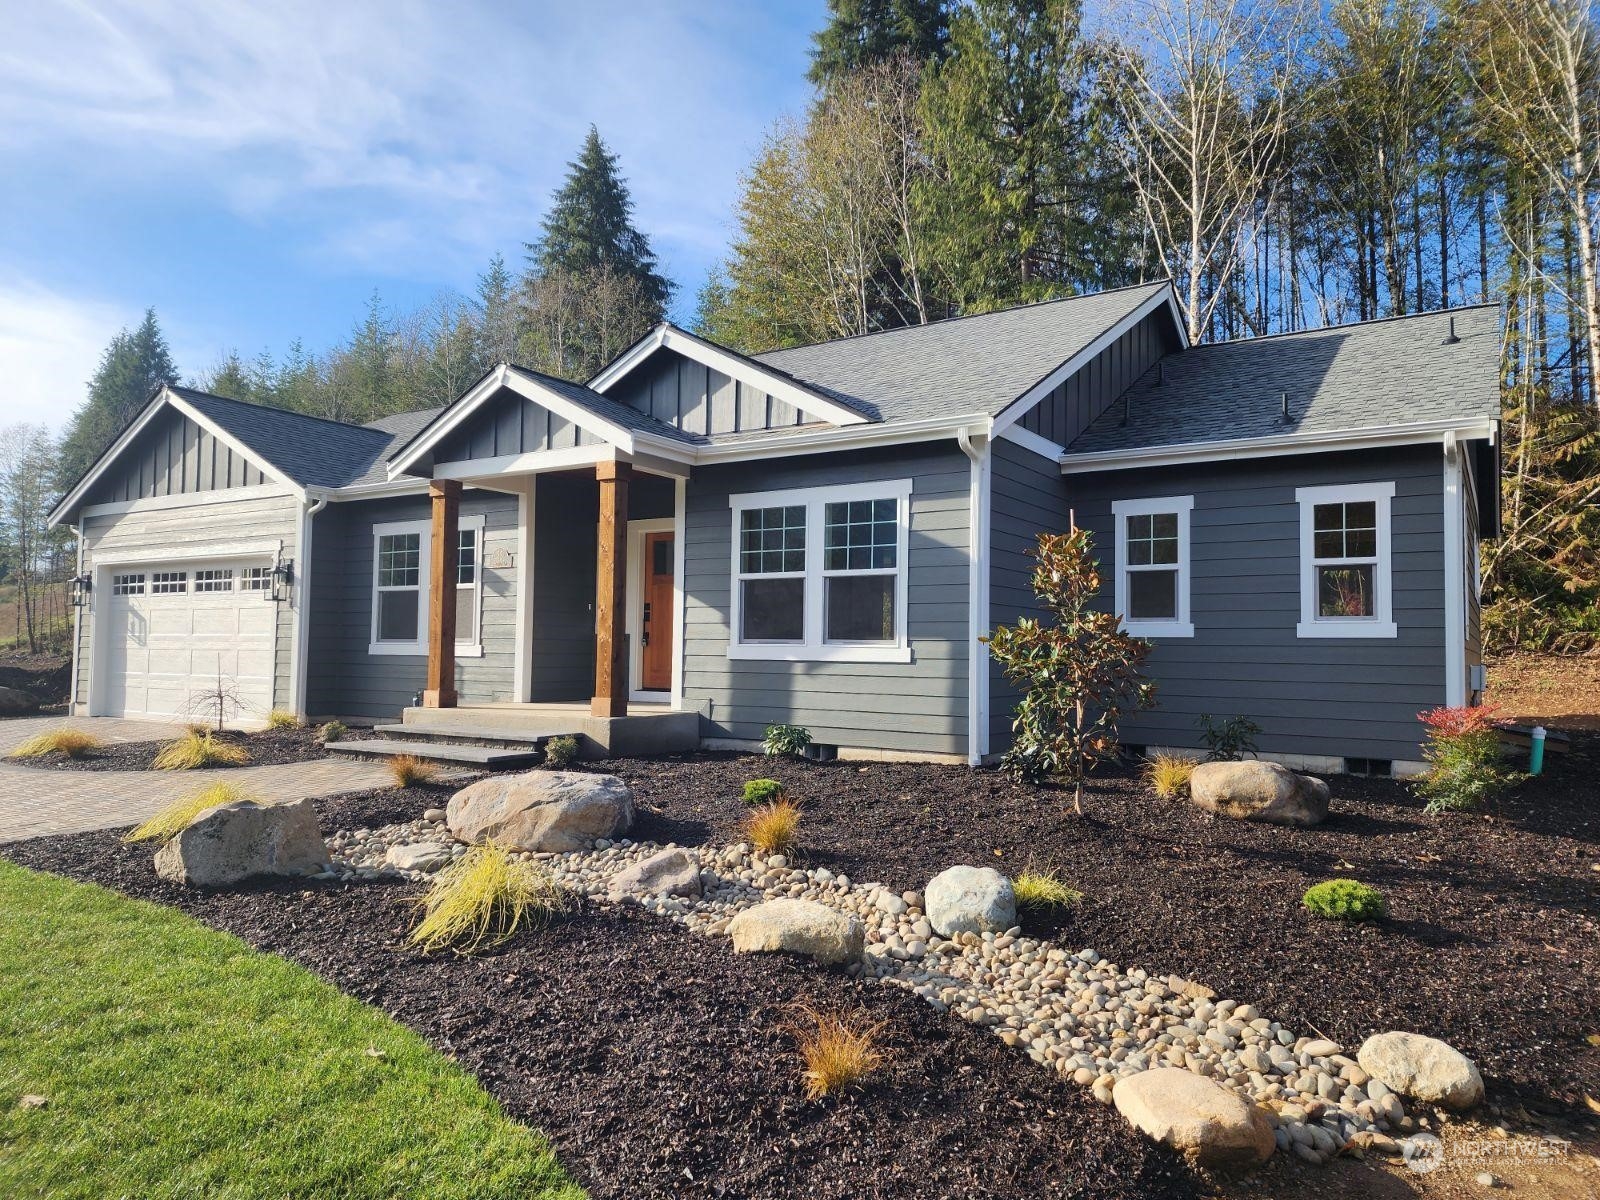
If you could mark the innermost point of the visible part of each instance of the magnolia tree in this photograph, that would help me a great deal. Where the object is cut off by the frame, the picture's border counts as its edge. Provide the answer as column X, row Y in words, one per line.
column 1077, row 674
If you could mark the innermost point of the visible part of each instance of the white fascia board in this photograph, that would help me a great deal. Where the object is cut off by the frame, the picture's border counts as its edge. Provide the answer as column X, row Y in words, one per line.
column 163, row 399
column 735, row 366
column 1418, row 433
column 1014, row 411
column 1028, row 440
column 821, row 441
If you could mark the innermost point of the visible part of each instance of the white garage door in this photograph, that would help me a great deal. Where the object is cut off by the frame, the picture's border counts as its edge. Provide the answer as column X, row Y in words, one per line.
column 173, row 630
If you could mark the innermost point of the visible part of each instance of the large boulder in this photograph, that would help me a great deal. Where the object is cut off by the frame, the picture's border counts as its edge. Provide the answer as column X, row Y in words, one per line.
column 1259, row 791
column 239, row 840
column 1203, row 1120
column 798, row 927
column 556, row 811
column 14, row 702
column 970, row 900
column 1422, row 1067
column 670, row 873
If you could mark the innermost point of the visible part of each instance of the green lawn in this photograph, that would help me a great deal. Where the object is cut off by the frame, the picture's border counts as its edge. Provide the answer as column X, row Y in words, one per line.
column 178, row 1062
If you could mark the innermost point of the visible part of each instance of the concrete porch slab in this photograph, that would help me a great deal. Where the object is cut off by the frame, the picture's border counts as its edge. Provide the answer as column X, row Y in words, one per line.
column 649, row 729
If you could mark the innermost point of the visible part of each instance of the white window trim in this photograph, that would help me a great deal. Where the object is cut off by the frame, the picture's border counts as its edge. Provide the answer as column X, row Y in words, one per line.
column 1121, row 510
column 424, row 530
column 1381, row 624
column 474, row 647
column 814, row 648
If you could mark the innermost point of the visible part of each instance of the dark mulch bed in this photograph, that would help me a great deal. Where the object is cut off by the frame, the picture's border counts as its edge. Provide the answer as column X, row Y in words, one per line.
column 660, row 1063
column 1493, row 942
column 267, row 747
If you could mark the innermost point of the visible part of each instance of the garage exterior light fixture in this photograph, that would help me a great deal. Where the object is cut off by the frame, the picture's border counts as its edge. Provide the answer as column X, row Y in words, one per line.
column 282, row 581
column 81, row 585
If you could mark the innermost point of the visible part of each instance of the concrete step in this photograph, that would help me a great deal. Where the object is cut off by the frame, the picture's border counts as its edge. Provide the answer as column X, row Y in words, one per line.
column 468, row 755
column 484, row 734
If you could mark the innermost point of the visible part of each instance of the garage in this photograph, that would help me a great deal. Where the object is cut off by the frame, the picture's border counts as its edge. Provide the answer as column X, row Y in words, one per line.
column 171, row 631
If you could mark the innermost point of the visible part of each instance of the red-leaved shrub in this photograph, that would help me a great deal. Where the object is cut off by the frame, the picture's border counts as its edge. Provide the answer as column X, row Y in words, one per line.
column 1463, row 718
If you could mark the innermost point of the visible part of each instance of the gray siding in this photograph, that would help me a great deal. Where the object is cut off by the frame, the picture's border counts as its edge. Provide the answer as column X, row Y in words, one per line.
column 697, row 399
column 170, row 457
column 1071, row 408
column 565, row 517
column 344, row 679
column 157, row 532
column 1336, row 697
column 1471, row 524
column 919, row 706
column 1027, row 498
column 511, row 424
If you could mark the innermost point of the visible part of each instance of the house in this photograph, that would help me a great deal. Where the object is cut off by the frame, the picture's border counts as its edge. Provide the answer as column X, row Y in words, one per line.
column 697, row 544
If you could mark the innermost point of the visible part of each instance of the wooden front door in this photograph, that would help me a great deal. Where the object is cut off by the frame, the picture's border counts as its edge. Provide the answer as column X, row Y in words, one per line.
column 655, row 666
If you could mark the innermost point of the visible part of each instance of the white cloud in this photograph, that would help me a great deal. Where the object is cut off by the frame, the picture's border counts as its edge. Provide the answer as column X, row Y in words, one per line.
column 49, row 345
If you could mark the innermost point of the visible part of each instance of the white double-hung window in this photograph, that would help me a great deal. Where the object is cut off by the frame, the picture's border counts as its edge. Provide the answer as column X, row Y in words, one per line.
column 400, row 578
column 1345, row 586
column 1152, row 583
column 819, row 574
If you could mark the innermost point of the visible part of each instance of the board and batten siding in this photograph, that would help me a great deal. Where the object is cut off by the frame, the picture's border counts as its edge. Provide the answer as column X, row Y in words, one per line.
column 343, row 678
column 917, row 707
column 173, row 456
column 150, row 535
column 1335, row 697
column 1073, row 406
column 511, row 424
column 698, row 399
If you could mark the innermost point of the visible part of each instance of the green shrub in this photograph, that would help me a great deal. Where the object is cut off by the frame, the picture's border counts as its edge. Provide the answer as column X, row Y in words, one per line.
column 1463, row 755
column 561, row 752
column 761, row 791
column 1228, row 740
column 785, row 739
column 1345, row 900
column 333, row 731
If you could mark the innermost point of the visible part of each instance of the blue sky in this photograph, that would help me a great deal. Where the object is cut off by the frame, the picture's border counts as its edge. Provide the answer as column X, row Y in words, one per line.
column 255, row 170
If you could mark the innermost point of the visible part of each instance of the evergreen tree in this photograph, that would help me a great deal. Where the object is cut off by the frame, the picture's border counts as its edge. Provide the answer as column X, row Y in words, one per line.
column 498, row 317
column 133, row 366
column 862, row 32
column 590, row 226
column 229, row 378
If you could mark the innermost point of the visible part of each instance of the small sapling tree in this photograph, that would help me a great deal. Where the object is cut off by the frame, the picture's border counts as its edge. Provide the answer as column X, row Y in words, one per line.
column 1077, row 674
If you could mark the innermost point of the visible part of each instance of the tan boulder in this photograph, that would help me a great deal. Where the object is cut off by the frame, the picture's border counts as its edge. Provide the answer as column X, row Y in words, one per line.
column 1423, row 1068
column 1259, row 791
column 670, row 873
column 232, row 842
column 1203, row 1120
column 798, row 927
column 558, row 811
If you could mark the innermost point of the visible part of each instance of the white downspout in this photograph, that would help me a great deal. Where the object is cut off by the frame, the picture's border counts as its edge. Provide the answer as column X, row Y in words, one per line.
column 77, row 625
column 300, row 597
column 977, row 449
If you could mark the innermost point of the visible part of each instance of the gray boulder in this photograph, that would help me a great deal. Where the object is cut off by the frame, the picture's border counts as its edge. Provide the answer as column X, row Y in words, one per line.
column 1422, row 1067
column 558, row 811
column 239, row 840
column 14, row 702
column 426, row 857
column 1199, row 1118
column 798, row 927
column 970, row 900
column 1259, row 791
column 671, row 873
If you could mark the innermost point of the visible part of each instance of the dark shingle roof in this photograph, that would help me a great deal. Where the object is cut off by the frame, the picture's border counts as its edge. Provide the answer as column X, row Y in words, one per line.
column 311, row 451
column 976, row 364
column 1366, row 376
column 397, row 430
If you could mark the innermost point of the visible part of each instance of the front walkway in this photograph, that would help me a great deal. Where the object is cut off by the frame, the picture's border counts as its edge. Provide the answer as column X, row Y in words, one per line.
column 35, row 801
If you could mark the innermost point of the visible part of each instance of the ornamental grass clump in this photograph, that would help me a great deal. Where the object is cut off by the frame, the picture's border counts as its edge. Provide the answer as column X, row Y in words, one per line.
column 199, row 748
column 838, row 1050
column 1077, row 673
column 1043, row 891
column 282, row 718
column 482, row 899
column 772, row 827
column 180, row 814
column 408, row 769
column 1168, row 775
column 1465, row 771
column 1345, row 900
column 69, row 743
column 762, row 791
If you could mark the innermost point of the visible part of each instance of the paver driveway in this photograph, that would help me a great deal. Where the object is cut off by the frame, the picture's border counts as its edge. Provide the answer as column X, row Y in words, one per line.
column 35, row 802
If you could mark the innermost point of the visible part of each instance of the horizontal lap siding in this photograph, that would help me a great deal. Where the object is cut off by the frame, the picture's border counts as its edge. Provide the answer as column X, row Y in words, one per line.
column 344, row 678
column 566, row 515
column 917, row 707
column 155, row 533
column 1315, row 696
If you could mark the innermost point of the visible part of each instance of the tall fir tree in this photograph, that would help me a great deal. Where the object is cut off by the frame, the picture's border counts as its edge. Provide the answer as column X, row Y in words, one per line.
column 590, row 226
column 133, row 366
column 860, row 33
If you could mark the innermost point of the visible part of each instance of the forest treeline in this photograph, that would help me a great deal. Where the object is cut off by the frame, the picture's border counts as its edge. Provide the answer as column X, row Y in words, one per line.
column 1287, row 163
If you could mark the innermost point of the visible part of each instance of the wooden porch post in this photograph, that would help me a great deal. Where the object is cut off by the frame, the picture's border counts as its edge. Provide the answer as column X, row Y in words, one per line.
column 610, row 603
column 444, row 551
